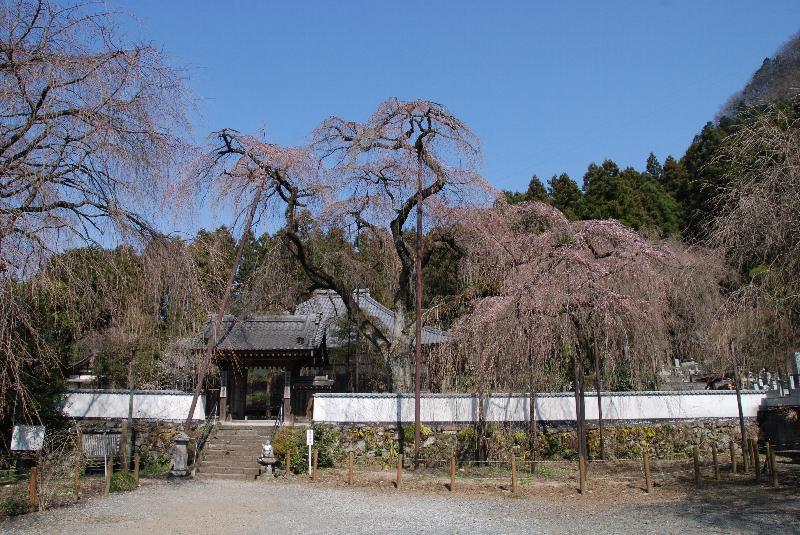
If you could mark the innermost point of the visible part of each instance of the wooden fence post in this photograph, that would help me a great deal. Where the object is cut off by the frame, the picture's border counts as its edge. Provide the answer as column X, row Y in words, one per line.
column 136, row 469
column 314, row 468
column 399, row 480
column 696, row 455
column 452, row 473
column 288, row 465
column 648, row 482
column 76, row 487
column 33, row 479
column 772, row 465
column 109, row 468
column 745, row 456
column 581, row 475
column 756, row 459
column 513, row 473
column 716, row 460
column 733, row 456
column 350, row 468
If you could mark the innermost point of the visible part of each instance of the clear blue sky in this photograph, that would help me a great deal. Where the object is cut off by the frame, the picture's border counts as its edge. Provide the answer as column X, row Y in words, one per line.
column 547, row 86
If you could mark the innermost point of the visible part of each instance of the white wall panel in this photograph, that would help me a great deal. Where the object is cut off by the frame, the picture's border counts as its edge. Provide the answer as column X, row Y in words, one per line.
column 356, row 408
column 149, row 405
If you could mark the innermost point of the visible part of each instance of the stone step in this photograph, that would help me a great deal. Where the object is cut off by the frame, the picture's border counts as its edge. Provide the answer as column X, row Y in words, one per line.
column 224, row 469
column 223, row 442
column 239, row 448
column 239, row 477
column 249, row 472
column 229, row 459
column 246, row 432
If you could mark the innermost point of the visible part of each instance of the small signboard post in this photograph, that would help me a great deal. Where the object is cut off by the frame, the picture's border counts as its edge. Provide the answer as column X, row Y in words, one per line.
column 27, row 438
column 309, row 443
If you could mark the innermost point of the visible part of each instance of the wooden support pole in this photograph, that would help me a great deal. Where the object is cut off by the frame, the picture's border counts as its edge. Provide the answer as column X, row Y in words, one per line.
column 696, row 455
column 33, row 479
column 648, row 481
column 581, row 475
column 773, row 468
column 314, row 467
column 513, row 473
column 716, row 461
column 109, row 468
column 399, row 479
column 350, row 468
column 733, row 456
column 136, row 468
column 745, row 456
column 452, row 473
column 288, row 466
column 756, row 459
column 76, row 485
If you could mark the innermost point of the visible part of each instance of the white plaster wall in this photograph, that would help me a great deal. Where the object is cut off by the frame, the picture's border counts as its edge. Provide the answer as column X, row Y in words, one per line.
column 150, row 405
column 355, row 408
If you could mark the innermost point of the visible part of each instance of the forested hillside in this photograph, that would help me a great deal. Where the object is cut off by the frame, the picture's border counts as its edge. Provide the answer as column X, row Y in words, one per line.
column 676, row 196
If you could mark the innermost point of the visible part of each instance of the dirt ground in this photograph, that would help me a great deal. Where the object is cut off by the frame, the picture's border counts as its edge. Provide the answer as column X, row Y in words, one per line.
column 424, row 504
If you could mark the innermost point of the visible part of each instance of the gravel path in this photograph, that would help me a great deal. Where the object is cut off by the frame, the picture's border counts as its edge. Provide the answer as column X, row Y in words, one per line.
column 222, row 507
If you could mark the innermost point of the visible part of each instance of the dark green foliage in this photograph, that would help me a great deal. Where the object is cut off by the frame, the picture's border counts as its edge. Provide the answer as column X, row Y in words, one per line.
column 653, row 168
column 635, row 199
column 535, row 192
column 122, row 482
column 565, row 195
column 292, row 440
column 706, row 176
column 16, row 504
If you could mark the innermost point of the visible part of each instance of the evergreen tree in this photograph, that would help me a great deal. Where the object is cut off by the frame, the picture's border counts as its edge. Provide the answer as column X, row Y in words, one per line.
column 536, row 191
column 565, row 195
column 635, row 199
column 653, row 169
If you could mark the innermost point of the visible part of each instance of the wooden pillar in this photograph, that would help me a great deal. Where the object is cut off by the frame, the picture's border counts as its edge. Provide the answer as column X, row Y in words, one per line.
column 223, row 395
column 237, row 393
column 287, row 395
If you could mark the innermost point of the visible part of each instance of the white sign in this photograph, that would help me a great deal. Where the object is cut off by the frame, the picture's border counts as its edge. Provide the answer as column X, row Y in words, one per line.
column 27, row 438
column 309, row 437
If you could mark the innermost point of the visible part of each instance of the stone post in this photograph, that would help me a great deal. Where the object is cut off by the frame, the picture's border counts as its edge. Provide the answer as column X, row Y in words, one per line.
column 180, row 455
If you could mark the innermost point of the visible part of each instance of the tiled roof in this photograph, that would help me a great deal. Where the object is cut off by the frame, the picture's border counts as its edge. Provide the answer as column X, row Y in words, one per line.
column 260, row 333
column 330, row 306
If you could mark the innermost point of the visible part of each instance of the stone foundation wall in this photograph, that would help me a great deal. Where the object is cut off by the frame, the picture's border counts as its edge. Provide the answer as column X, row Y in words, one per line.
column 153, row 439
column 380, row 445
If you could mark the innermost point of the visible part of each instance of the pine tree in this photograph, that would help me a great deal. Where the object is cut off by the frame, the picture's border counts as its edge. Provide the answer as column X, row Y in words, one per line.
column 536, row 191
column 653, row 168
column 565, row 195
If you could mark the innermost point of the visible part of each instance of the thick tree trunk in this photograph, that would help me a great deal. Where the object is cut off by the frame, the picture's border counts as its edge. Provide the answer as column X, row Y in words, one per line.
column 532, row 438
column 580, row 412
column 598, row 385
column 742, row 428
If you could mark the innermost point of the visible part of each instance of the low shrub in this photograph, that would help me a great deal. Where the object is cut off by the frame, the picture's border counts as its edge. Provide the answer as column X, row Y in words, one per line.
column 122, row 482
column 14, row 505
column 157, row 465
